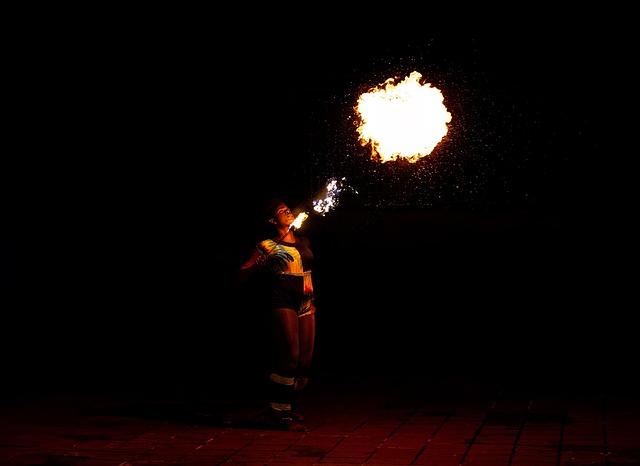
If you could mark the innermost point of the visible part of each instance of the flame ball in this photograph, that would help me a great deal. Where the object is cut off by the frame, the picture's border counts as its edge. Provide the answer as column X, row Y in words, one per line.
column 405, row 120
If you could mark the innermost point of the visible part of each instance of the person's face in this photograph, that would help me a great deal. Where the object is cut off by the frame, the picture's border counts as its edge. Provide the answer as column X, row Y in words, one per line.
column 283, row 215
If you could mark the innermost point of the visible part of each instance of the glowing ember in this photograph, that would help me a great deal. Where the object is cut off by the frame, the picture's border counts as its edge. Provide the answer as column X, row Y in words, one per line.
column 323, row 205
column 297, row 223
column 405, row 120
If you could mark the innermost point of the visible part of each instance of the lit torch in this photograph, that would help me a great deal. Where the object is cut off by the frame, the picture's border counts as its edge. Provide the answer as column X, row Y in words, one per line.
column 405, row 120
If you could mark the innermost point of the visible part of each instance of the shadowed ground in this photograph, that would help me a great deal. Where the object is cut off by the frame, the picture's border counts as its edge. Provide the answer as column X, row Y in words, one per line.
column 351, row 420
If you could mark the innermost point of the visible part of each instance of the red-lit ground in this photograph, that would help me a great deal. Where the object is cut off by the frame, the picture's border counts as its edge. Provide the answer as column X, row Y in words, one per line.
column 350, row 421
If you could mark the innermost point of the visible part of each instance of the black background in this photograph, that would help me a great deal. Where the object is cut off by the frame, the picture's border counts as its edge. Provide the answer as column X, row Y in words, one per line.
column 499, row 257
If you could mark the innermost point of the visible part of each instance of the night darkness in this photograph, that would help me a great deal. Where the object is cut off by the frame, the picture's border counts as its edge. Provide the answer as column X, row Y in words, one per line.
column 484, row 255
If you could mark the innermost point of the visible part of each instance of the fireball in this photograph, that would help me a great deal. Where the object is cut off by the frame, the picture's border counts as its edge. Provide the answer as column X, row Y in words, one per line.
column 402, row 121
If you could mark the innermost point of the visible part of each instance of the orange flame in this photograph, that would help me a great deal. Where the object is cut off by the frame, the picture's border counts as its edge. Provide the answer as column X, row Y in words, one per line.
column 297, row 223
column 405, row 120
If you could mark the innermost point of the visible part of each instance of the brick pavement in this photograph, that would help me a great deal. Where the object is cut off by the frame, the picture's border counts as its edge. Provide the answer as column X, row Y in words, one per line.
column 350, row 422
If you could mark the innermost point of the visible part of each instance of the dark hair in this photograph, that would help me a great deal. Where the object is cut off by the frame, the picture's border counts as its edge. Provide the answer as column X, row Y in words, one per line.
column 270, row 206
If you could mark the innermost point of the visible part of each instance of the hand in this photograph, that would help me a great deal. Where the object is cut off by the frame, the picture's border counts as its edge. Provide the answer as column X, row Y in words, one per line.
column 261, row 260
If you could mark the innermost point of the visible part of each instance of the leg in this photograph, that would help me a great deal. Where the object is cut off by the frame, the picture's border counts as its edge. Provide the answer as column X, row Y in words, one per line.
column 286, row 340
column 307, row 335
column 282, row 382
column 307, row 330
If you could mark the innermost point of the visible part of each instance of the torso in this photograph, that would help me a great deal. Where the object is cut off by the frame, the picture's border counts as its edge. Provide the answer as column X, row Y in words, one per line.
column 291, row 257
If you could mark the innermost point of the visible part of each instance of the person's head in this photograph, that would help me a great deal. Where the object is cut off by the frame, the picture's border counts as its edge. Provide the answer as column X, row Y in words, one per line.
column 277, row 213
